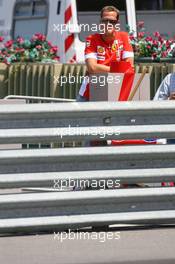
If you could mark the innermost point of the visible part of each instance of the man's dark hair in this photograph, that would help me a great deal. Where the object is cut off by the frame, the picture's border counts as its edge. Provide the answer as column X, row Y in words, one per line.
column 111, row 9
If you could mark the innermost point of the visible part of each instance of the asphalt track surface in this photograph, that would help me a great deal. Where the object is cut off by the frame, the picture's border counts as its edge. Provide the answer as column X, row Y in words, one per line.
column 150, row 246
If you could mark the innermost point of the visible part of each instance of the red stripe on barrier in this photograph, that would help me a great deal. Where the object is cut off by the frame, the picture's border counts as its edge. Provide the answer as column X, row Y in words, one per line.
column 69, row 41
column 68, row 14
column 132, row 142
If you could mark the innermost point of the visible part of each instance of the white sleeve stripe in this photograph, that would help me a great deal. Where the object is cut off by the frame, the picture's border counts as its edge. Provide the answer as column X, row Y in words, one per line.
column 91, row 56
column 128, row 54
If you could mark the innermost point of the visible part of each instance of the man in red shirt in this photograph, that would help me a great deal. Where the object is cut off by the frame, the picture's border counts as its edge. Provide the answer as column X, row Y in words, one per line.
column 102, row 48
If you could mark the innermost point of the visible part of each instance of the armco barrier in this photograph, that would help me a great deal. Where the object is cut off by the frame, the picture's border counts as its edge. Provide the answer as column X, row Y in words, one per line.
column 56, row 209
column 52, row 80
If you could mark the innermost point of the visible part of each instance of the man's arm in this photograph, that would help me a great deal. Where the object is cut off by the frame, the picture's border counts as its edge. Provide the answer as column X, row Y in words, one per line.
column 163, row 92
column 94, row 67
column 128, row 54
column 172, row 96
column 131, row 60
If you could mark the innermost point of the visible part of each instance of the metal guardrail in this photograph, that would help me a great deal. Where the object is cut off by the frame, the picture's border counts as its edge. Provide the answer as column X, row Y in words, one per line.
column 79, row 203
column 59, row 210
column 46, row 135
column 88, row 114
column 38, row 99
column 57, row 223
column 67, row 159
column 48, row 179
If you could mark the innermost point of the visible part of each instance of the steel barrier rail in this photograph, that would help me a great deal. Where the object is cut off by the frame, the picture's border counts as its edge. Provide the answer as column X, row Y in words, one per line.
column 37, row 98
column 87, row 114
column 59, row 223
column 55, row 179
column 95, row 158
column 87, row 202
column 47, row 135
column 88, row 107
column 128, row 164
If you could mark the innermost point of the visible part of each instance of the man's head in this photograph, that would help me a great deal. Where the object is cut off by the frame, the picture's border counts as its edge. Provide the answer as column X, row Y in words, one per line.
column 110, row 18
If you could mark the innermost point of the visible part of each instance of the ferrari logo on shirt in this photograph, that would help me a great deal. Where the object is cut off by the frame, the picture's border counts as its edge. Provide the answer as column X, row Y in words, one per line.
column 100, row 50
column 114, row 47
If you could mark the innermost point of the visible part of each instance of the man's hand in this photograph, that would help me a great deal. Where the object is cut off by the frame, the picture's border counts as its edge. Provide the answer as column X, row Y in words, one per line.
column 172, row 96
column 130, row 60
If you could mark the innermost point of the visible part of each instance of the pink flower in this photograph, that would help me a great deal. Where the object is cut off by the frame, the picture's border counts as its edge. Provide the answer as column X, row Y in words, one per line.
column 148, row 47
column 54, row 49
column 149, row 38
column 160, row 39
column 168, row 44
column 141, row 34
column 38, row 47
column 1, row 39
column 9, row 44
column 49, row 43
column 131, row 37
column 156, row 34
column 155, row 43
column 56, row 58
column 140, row 24
column 39, row 36
column 164, row 54
column 34, row 38
column 42, row 38
column 154, row 55
column 20, row 40
column 21, row 50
